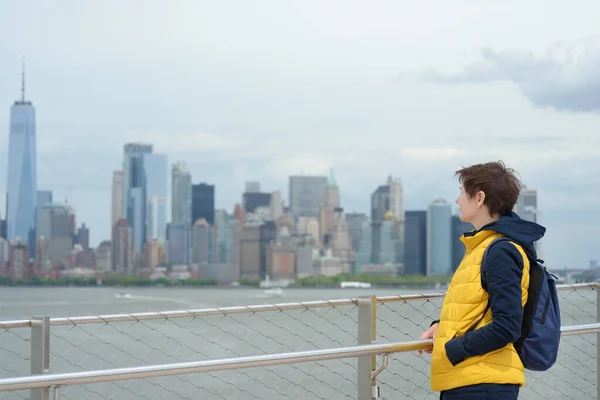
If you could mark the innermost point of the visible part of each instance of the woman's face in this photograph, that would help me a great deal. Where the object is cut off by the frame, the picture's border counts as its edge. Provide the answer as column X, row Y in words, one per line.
column 468, row 206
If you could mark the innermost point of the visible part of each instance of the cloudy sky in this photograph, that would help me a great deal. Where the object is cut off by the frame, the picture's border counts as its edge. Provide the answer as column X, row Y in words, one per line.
column 261, row 90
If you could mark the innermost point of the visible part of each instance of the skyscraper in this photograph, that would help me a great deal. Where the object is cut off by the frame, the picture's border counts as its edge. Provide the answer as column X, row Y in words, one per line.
column 364, row 254
column 327, row 214
column 83, row 237
column 134, row 190
column 439, row 240
column 355, row 224
column 340, row 241
column 276, row 204
column 133, row 168
column 388, row 198
column 53, row 221
column 227, row 245
column 181, row 194
column 135, row 214
column 21, row 195
column 153, row 254
column 72, row 216
column 202, row 250
column 415, row 255
column 203, row 203
column 54, row 231
column 526, row 206
column 240, row 214
column 380, row 203
column 118, row 202
column 386, row 242
column 387, row 204
column 155, row 182
column 122, row 248
column 267, row 235
column 43, row 197
column 19, row 260
column 178, row 243
column 307, row 193
column 253, row 200
column 250, row 251
column 3, row 228
column 104, row 257
column 527, row 209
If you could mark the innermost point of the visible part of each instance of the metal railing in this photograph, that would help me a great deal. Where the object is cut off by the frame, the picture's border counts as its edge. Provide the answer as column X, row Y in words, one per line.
column 80, row 378
column 142, row 339
column 56, row 381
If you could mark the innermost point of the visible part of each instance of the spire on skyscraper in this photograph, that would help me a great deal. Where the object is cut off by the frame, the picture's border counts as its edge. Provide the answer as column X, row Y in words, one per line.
column 331, row 180
column 23, row 82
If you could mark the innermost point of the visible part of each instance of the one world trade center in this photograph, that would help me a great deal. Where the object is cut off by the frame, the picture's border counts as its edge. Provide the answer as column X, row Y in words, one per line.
column 21, row 195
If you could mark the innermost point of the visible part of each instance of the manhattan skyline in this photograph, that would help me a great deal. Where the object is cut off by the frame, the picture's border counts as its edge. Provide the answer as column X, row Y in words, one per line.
column 360, row 89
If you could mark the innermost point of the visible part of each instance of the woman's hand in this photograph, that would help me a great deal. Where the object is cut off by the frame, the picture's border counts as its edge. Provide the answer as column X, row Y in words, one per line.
column 429, row 334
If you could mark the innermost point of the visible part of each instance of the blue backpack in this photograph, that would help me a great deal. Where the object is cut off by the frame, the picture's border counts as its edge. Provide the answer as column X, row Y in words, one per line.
column 540, row 331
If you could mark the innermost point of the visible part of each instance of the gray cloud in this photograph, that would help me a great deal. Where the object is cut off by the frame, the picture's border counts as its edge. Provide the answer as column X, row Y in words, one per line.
column 565, row 78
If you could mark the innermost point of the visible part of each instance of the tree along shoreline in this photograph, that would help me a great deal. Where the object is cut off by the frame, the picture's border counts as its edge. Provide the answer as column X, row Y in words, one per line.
column 307, row 282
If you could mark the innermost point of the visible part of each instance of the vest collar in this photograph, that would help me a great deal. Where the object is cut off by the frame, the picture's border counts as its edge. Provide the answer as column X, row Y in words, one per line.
column 474, row 238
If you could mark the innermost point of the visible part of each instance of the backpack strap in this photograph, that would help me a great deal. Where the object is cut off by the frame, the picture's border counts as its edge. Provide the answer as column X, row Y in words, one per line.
column 484, row 280
column 484, row 258
column 532, row 257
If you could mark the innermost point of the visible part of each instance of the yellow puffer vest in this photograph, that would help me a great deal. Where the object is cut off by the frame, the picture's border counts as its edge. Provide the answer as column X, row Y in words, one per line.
column 464, row 303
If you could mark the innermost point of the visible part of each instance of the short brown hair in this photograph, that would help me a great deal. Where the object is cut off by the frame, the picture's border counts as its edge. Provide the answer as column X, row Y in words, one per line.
column 500, row 185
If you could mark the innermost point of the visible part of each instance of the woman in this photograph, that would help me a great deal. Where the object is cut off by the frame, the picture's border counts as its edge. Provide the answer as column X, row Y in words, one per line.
column 473, row 353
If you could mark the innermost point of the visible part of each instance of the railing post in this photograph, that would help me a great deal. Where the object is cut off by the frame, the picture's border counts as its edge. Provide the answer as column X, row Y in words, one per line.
column 40, row 353
column 367, row 333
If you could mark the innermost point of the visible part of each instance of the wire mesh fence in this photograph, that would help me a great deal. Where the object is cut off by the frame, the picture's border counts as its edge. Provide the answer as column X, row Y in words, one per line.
column 137, row 340
column 16, row 394
column 305, row 381
column 15, row 358
column 82, row 347
column 407, row 375
column 15, row 349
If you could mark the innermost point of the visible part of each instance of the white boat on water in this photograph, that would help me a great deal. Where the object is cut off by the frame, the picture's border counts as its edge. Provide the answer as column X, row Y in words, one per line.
column 123, row 295
column 267, row 283
column 275, row 292
column 355, row 285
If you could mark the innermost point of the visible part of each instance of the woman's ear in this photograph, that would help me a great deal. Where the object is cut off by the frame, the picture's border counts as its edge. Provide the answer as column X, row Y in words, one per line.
column 480, row 197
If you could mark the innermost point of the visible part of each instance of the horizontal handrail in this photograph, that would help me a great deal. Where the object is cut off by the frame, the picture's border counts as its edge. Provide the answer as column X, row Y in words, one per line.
column 106, row 319
column 144, row 372
column 579, row 329
column 440, row 295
